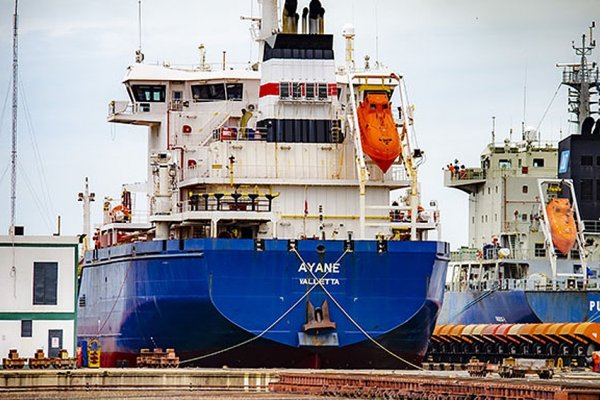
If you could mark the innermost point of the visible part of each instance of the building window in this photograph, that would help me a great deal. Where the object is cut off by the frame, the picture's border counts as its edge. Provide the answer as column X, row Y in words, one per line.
column 489, row 190
column 45, row 283
column 598, row 160
column 26, row 328
column 538, row 162
column 587, row 160
column 598, row 190
column 587, row 189
column 495, row 217
column 525, row 189
column 473, row 220
column 524, row 217
column 496, row 189
column 539, row 250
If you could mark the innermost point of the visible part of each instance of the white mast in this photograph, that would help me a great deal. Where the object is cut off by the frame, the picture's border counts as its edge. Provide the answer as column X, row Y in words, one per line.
column 13, row 153
column 86, row 197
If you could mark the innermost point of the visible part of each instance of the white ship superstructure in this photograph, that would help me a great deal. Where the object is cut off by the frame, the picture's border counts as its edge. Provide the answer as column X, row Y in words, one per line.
column 271, row 150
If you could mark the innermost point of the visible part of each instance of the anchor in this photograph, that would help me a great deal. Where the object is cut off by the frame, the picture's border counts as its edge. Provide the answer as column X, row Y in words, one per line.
column 318, row 318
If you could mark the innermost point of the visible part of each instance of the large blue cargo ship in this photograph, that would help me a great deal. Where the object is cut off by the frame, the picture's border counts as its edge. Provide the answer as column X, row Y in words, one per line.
column 227, row 302
column 272, row 237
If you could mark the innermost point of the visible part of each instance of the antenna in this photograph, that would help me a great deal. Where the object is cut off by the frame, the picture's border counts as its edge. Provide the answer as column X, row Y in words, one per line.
column 139, row 56
column 524, row 103
column 13, row 153
column 377, row 33
column 582, row 80
column 493, row 129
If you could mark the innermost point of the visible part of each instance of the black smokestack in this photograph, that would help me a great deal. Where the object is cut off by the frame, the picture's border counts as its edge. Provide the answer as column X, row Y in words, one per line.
column 315, row 8
column 291, row 6
column 290, row 19
column 305, row 20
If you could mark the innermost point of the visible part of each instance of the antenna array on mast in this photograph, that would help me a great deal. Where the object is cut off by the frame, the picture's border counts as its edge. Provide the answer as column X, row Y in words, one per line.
column 13, row 153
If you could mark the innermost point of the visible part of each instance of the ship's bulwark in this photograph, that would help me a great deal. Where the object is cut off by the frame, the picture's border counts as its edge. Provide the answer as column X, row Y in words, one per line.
column 205, row 295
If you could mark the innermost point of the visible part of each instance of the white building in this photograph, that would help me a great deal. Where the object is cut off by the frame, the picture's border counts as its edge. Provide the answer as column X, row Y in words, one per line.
column 38, row 292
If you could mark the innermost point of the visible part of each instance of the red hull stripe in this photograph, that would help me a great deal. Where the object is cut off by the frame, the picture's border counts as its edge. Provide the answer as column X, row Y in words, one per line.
column 272, row 89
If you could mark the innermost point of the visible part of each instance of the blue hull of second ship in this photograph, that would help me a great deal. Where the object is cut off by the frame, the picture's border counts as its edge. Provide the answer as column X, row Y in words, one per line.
column 520, row 306
column 244, row 303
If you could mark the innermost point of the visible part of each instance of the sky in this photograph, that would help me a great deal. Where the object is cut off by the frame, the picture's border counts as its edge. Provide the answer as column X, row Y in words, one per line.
column 465, row 61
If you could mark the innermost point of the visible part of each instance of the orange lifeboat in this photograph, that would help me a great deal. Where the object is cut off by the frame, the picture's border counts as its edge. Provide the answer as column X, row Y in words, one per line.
column 562, row 224
column 378, row 133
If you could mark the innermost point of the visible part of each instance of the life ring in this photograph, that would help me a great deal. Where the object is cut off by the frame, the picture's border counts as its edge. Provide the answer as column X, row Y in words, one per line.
column 120, row 213
column 479, row 254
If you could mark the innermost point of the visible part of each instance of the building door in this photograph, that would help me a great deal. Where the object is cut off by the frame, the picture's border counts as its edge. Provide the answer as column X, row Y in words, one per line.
column 55, row 342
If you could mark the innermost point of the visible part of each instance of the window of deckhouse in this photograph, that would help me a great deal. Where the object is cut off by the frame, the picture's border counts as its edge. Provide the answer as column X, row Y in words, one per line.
column 538, row 162
column 209, row 92
column 149, row 93
column 504, row 164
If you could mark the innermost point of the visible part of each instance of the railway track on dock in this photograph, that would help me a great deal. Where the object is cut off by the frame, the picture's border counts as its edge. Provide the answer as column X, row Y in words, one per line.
column 188, row 384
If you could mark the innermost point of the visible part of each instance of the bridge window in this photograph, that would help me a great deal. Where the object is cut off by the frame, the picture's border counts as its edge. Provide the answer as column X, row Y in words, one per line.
column 505, row 164
column 149, row 93
column 538, row 162
column 208, row 92
column 235, row 91
column 587, row 160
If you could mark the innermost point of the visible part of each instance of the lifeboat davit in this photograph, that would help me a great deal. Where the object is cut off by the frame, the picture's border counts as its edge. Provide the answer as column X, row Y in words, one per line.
column 562, row 224
column 378, row 133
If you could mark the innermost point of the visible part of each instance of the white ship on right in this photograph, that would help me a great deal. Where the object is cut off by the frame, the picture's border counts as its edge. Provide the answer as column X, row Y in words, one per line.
column 517, row 268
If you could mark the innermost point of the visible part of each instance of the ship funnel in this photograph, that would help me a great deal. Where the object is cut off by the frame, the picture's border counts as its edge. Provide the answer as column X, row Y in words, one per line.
column 290, row 16
column 315, row 17
column 322, row 21
column 305, row 20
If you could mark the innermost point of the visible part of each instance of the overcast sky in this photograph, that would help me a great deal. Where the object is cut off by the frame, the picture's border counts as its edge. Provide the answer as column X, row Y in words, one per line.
column 464, row 60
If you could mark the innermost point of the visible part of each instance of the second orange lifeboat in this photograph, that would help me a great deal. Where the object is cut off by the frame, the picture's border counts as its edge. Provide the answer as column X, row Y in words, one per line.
column 562, row 224
column 378, row 133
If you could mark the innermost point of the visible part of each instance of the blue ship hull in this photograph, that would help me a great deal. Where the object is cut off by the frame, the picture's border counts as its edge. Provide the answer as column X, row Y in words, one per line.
column 243, row 303
column 519, row 306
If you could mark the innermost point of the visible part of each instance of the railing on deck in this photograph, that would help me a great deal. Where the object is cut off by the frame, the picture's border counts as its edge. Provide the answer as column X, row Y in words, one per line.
column 530, row 284
column 467, row 174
